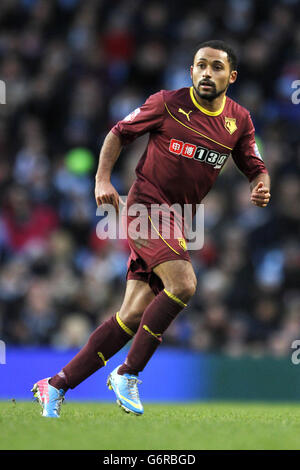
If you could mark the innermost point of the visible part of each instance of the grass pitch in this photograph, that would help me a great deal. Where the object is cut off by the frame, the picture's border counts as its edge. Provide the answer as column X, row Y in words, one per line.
column 201, row 426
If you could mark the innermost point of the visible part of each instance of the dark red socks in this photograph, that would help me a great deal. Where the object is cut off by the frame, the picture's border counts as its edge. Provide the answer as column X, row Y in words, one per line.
column 112, row 335
column 156, row 318
column 103, row 343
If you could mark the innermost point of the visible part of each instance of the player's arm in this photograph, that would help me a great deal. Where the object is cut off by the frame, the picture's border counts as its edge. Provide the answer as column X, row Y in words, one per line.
column 260, row 190
column 105, row 193
column 248, row 159
column 147, row 118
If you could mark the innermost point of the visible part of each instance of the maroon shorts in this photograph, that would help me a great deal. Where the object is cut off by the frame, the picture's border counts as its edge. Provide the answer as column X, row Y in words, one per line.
column 146, row 252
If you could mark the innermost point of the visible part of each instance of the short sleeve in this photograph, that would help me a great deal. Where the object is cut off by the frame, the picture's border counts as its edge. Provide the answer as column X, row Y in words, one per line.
column 246, row 154
column 146, row 118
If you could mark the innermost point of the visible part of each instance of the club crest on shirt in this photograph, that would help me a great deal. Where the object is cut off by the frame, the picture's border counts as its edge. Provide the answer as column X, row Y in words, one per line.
column 230, row 125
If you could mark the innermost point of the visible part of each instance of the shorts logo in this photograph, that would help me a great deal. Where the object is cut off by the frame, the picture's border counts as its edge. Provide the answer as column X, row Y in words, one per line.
column 230, row 125
column 201, row 154
column 182, row 243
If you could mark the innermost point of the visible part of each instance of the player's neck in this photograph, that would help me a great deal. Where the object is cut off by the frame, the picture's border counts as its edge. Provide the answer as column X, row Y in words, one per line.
column 211, row 106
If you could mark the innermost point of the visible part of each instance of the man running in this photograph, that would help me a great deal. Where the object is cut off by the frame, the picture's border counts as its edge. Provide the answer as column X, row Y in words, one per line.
column 192, row 133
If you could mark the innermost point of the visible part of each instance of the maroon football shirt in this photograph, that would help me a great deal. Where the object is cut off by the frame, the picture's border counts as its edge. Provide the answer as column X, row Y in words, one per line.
column 187, row 147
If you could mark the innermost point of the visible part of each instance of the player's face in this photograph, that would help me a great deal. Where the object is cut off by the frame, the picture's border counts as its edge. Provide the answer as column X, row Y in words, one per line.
column 211, row 74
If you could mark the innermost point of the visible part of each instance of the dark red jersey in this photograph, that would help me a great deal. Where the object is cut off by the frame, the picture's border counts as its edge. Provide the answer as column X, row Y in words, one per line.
column 188, row 146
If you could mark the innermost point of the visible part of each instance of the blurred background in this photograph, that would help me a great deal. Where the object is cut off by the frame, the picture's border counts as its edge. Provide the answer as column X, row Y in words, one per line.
column 72, row 69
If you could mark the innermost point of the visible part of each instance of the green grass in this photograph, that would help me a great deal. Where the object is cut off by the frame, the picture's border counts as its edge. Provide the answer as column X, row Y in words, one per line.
column 168, row 426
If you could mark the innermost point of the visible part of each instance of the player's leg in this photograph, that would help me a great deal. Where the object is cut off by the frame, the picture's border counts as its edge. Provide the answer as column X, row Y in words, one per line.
column 103, row 343
column 179, row 280
column 138, row 296
column 178, row 277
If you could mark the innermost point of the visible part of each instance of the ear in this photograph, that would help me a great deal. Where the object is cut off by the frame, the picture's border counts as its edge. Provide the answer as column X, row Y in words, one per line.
column 233, row 76
column 191, row 71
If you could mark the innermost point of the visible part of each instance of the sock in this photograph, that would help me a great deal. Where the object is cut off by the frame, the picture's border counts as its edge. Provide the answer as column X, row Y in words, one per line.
column 59, row 381
column 103, row 343
column 156, row 318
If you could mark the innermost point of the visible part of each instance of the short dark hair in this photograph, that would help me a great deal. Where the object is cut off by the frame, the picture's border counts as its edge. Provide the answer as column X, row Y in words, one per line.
column 220, row 46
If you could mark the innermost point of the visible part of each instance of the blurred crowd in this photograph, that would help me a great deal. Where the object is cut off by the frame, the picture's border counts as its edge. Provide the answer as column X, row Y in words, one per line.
column 72, row 69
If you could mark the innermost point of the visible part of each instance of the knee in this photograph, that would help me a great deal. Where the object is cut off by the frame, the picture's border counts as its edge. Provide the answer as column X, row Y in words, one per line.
column 131, row 318
column 184, row 289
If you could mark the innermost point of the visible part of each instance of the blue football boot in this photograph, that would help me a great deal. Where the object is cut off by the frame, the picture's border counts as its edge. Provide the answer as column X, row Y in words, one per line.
column 50, row 398
column 126, row 390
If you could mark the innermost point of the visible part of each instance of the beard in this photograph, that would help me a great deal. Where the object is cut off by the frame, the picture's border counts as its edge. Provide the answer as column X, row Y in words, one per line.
column 212, row 95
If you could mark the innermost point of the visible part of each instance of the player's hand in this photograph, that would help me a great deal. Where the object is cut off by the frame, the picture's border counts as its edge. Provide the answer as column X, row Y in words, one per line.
column 260, row 195
column 105, row 193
